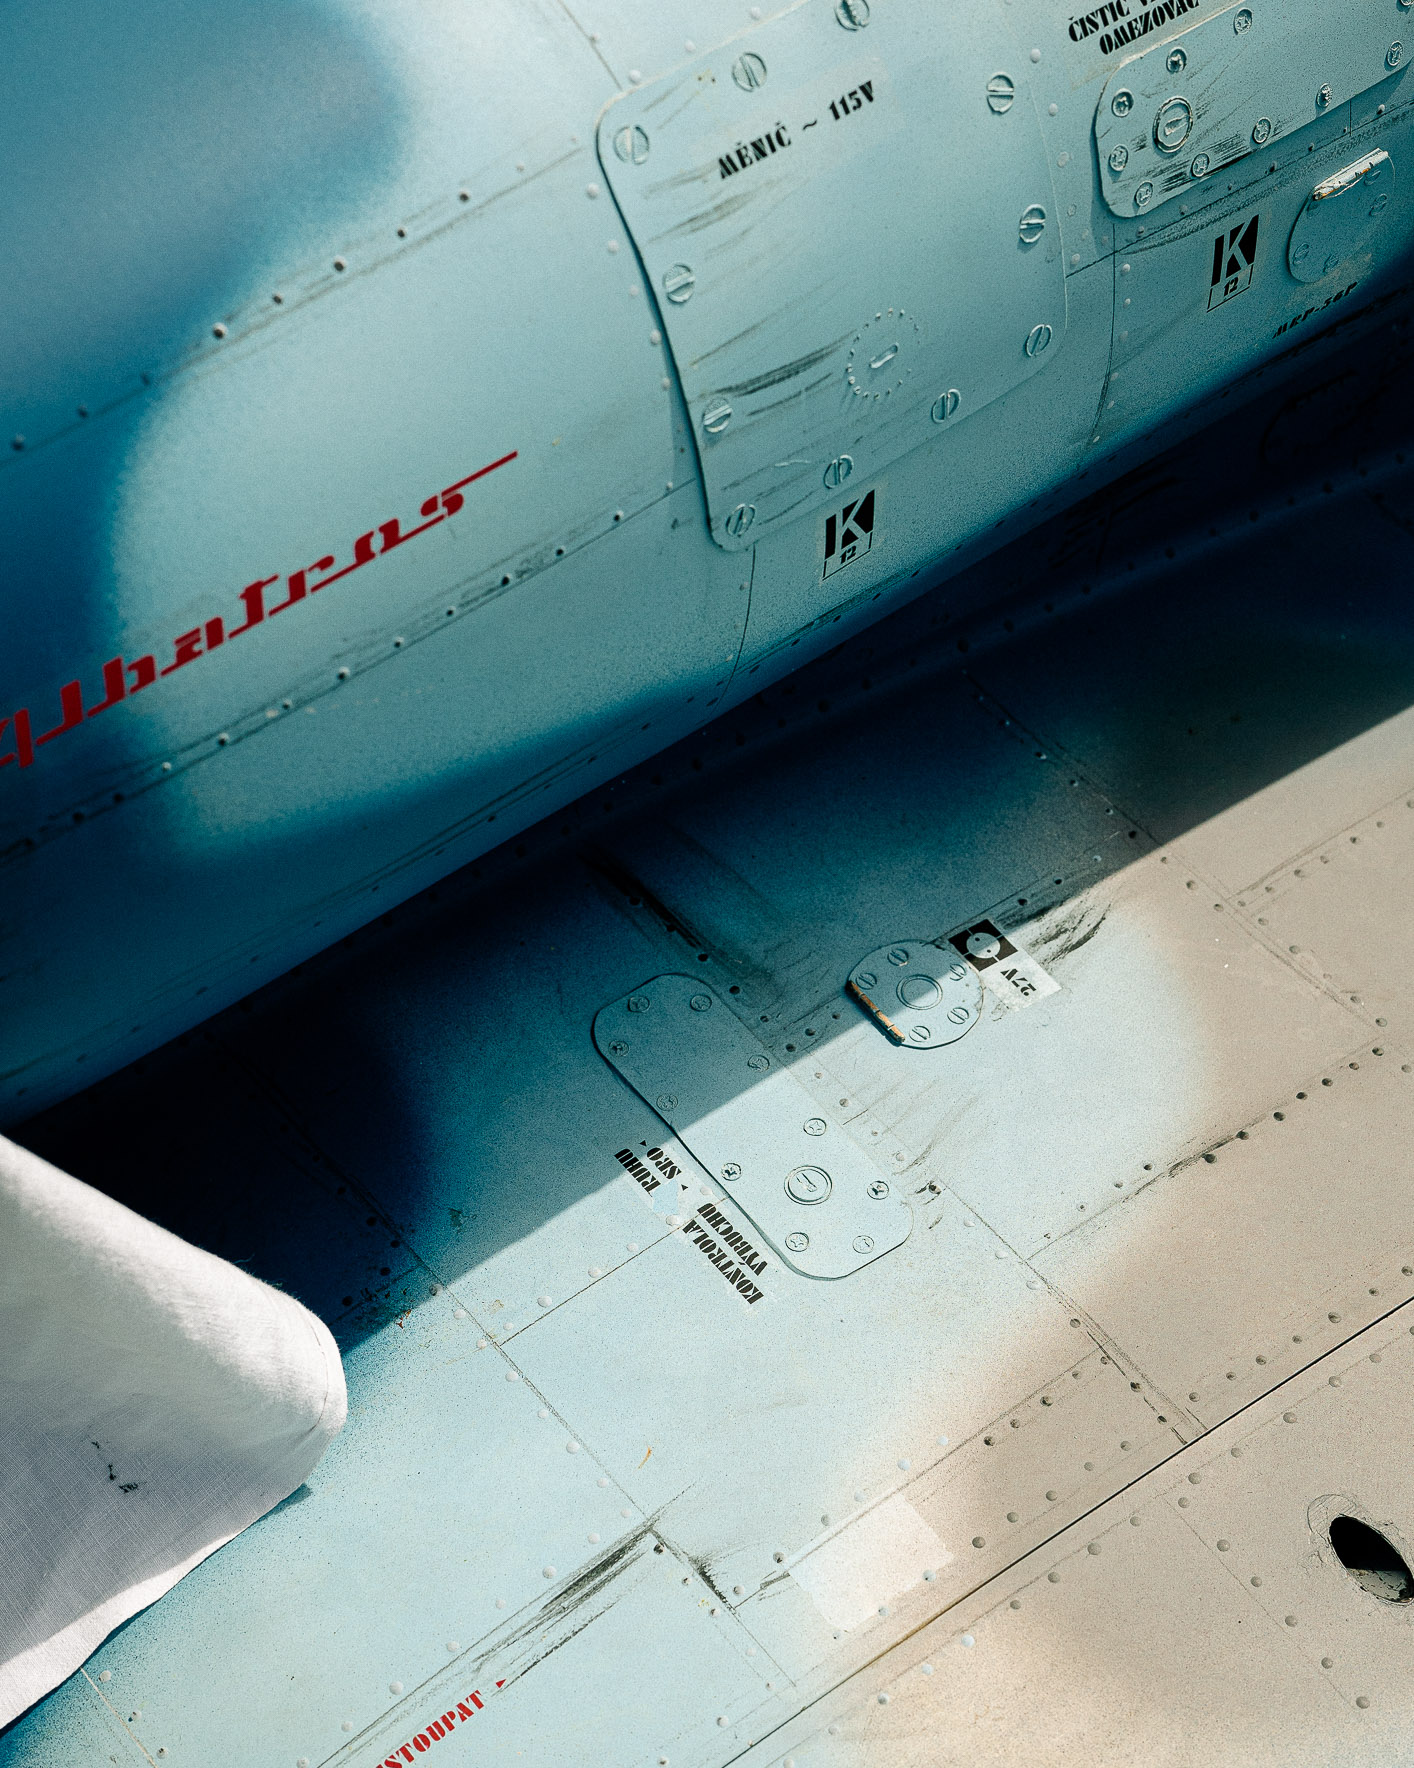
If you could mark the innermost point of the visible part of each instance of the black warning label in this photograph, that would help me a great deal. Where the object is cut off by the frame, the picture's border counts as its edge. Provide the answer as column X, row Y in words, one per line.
column 1234, row 259
column 849, row 533
column 1121, row 22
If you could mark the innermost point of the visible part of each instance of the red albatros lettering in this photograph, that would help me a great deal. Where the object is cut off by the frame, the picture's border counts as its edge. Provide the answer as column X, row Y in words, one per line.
column 122, row 677
column 435, row 1729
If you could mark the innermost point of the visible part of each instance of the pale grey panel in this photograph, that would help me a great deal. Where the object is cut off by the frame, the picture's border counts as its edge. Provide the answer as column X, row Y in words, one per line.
column 1221, row 1277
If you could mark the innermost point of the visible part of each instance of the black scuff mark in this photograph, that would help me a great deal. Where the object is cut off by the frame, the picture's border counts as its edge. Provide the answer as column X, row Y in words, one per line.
column 719, row 211
column 613, row 871
column 773, row 377
column 1070, row 932
column 703, row 1567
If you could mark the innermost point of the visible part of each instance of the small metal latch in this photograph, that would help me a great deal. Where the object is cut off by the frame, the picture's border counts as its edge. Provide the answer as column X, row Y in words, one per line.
column 918, row 994
column 813, row 1193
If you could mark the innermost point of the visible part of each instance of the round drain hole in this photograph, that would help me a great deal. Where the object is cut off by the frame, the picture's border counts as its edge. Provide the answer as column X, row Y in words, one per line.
column 1374, row 1562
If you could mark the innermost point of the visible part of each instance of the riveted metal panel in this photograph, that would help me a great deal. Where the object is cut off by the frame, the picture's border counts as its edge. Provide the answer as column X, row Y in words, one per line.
column 1182, row 110
column 819, row 304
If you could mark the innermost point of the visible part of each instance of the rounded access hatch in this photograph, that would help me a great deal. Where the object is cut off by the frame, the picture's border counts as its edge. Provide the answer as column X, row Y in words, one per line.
column 918, row 993
column 1339, row 216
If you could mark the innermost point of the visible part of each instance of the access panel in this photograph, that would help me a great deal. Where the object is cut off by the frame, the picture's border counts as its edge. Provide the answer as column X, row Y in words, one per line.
column 1177, row 113
column 848, row 220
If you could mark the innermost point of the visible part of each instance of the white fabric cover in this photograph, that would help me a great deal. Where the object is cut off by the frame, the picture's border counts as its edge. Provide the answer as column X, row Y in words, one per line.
column 154, row 1401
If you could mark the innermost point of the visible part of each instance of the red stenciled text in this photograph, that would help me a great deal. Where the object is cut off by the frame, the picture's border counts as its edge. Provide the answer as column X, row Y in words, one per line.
column 123, row 677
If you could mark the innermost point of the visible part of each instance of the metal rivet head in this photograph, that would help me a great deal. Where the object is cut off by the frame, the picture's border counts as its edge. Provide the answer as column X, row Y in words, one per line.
column 631, row 144
column 749, row 71
column 1032, row 224
column 1261, row 131
column 1176, row 60
column 1037, row 339
column 1119, row 158
column 943, row 408
column 1122, row 103
column 740, row 519
column 1144, row 195
column 838, row 471
column 1242, row 21
column 797, row 1242
column 852, row 14
column 862, row 1243
column 716, row 415
column 1001, row 93
column 678, row 283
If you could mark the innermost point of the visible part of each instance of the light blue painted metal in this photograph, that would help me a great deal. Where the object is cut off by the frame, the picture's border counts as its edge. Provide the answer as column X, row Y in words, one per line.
column 1339, row 216
column 353, row 511
column 1188, row 106
column 825, row 1207
column 817, row 302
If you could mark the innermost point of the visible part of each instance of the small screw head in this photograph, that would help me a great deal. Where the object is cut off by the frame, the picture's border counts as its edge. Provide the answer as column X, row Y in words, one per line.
column 618, row 1048
column 758, row 1062
column 1032, row 224
column 1144, row 195
column 631, row 144
column 667, row 1101
column 1201, row 166
column 1122, row 103
column 749, row 71
column 731, row 1170
column 943, row 408
column 740, row 519
column 1119, row 158
column 797, row 1242
column 700, row 1003
column 898, row 954
column 814, row 1126
column 1037, row 339
column 678, row 283
column 852, row 14
column 838, row 471
column 1176, row 60
column 867, row 979
column 639, row 1003
column 862, row 1243
column 1394, row 55
column 879, row 1188
column 1242, row 21
column 1261, row 131
column 1001, row 93
column 1324, row 97
column 716, row 416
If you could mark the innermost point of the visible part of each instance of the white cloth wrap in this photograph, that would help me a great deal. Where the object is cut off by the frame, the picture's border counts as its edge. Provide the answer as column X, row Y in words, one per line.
column 154, row 1401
